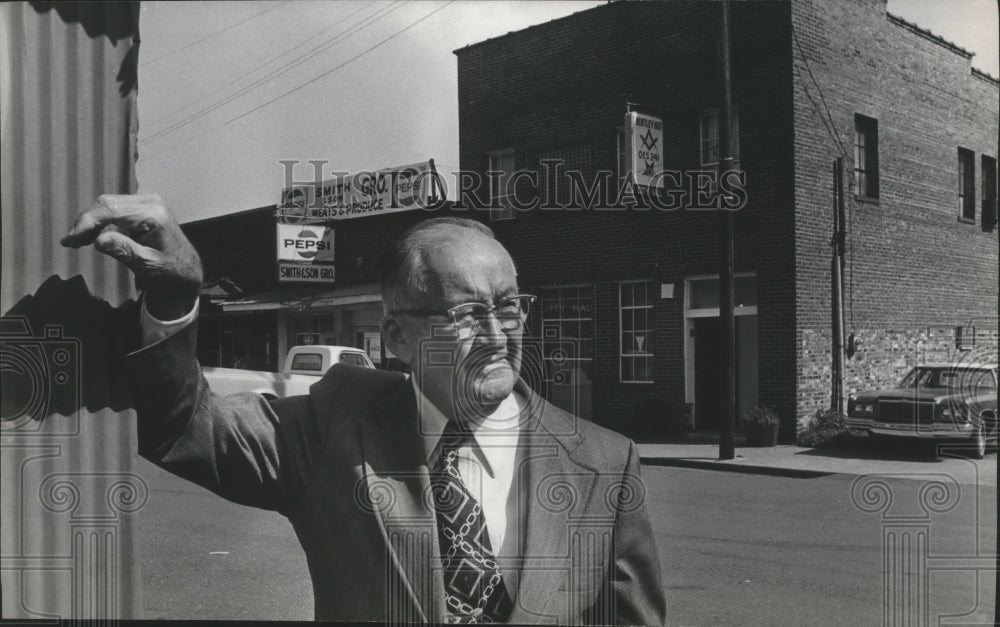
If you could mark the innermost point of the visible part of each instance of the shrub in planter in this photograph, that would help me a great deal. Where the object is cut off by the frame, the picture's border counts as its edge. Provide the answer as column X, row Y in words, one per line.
column 826, row 425
column 760, row 425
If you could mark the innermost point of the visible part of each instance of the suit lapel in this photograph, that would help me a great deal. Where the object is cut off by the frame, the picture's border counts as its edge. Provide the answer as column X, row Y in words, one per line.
column 397, row 481
column 554, row 488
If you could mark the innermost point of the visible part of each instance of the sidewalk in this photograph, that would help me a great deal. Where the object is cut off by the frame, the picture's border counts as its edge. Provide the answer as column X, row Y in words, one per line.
column 853, row 458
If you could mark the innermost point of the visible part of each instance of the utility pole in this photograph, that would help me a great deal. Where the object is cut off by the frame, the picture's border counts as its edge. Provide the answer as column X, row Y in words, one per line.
column 727, row 320
column 837, row 286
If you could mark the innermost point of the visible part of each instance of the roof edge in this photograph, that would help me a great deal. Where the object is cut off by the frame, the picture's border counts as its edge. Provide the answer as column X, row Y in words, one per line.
column 928, row 35
column 977, row 73
column 226, row 216
column 476, row 44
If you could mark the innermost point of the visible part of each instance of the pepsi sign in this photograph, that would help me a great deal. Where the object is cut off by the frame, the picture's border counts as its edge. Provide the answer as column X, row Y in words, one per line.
column 305, row 252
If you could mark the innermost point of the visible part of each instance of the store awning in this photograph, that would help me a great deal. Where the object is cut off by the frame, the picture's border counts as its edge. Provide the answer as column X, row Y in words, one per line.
column 300, row 298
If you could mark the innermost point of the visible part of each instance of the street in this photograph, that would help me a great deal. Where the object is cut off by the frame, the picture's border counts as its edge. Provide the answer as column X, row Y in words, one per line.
column 736, row 549
column 759, row 550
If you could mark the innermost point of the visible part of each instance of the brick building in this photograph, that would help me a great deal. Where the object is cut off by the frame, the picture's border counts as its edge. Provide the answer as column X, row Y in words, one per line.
column 628, row 311
column 917, row 128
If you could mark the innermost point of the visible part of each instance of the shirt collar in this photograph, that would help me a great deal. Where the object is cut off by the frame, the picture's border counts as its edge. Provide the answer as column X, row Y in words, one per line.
column 494, row 438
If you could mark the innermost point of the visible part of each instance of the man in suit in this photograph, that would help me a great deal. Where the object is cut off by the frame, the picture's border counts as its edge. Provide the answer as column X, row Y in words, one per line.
column 456, row 494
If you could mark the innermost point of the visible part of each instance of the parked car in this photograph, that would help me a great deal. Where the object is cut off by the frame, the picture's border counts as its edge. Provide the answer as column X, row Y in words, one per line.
column 304, row 365
column 932, row 402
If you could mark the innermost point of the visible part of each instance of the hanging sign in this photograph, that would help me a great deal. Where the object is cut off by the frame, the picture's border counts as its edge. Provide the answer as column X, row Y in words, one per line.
column 305, row 253
column 645, row 134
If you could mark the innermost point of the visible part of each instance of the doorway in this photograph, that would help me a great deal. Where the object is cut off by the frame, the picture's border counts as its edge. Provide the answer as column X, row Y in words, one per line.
column 708, row 369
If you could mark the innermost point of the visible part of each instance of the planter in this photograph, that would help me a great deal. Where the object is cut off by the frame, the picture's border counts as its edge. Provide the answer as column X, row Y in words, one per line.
column 759, row 434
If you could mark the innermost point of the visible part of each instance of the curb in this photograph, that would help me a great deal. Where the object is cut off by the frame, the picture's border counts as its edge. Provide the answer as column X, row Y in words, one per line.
column 729, row 466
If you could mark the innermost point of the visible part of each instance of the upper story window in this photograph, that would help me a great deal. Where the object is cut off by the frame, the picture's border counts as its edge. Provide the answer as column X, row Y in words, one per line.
column 709, row 137
column 502, row 167
column 966, row 185
column 866, row 173
column 989, row 184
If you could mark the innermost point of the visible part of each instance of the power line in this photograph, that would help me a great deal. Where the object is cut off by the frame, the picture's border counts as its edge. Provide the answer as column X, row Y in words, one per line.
column 334, row 69
column 350, row 31
column 213, row 34
column 266, row 63
column 831, row 128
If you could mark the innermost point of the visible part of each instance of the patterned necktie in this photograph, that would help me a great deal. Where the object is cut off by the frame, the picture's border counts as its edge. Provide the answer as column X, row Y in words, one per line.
column 473, row 585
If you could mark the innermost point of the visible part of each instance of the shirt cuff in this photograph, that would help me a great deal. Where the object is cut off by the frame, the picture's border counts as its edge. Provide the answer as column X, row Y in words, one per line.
column 154, row 330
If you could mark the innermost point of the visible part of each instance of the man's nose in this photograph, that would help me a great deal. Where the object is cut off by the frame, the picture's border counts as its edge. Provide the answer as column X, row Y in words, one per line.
column 490, row 331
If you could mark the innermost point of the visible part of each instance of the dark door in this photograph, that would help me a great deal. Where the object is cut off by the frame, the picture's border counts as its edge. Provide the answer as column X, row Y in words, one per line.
column 707, row 373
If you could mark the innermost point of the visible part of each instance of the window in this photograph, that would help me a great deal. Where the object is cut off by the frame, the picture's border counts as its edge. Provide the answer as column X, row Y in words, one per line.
column 319, row 328
column 709, row 138
column 966, row 185
column 989, row 214
column 866, row 157
column 308, row 361
column 635, row 302
column 353, row 359
column 500, row 192
column 704, row 292
column 935, row 378
column 567, row 315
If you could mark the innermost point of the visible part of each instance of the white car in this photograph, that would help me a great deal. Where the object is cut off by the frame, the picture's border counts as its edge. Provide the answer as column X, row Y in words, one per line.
column 316, row 359
column 304, row 365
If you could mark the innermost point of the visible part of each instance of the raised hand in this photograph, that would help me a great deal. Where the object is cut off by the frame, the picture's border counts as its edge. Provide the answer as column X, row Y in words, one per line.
column 140, row 232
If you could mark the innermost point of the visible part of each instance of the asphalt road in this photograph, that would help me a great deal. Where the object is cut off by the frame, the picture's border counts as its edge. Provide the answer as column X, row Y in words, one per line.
column 742, row 549
column 205, row 558
column 737, row 549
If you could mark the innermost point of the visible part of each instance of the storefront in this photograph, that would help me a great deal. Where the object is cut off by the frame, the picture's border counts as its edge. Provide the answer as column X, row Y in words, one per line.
column 304, row 271
column 248, row 340
column 343, row 316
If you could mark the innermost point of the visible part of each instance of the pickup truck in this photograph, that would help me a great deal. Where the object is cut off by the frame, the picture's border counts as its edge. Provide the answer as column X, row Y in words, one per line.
column 933, row 402
column 304, row 366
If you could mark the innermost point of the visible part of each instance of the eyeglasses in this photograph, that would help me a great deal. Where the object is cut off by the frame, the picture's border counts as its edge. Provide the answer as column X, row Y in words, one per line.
column 470, row 318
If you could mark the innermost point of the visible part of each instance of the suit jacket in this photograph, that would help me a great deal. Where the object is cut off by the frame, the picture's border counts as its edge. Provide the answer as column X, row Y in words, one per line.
column 346, row 465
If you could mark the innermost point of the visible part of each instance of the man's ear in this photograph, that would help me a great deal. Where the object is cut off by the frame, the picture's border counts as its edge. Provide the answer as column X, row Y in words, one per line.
column 396, row 339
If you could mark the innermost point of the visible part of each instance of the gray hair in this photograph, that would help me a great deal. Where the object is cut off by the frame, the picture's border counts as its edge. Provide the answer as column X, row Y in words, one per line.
column 403, row 276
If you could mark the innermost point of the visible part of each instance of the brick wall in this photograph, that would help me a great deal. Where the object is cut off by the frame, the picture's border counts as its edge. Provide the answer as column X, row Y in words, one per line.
column 914, row 270
column 896, row 351
column 563, row 87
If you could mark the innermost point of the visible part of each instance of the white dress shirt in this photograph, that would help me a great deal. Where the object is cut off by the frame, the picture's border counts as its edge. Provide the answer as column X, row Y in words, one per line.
column 155, row 330
column 487, row 466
